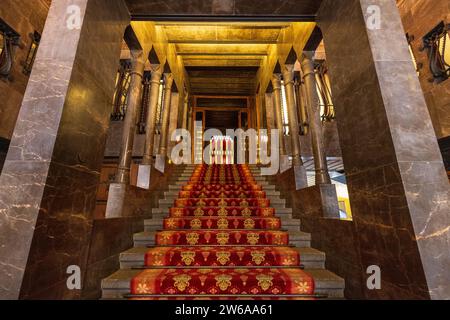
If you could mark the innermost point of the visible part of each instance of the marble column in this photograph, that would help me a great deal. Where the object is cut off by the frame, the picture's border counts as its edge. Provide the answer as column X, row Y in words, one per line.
column 168, row 81
column 269, row 110
column 177, row 102
column 49, row 182
column 117, row 191
column 151, row 116
column 134, row 99
column 398, row 187
column 278, row 109
column 315, row 122
column 184, row 124
column 189, row 120
column 145, row 169
column 301, row 179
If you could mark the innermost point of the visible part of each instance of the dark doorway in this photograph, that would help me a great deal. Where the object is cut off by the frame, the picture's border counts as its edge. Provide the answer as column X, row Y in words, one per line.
column 222, row 120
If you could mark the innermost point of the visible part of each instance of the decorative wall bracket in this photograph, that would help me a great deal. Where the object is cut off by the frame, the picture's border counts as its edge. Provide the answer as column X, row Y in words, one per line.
column 10, row 40
column 437, row 43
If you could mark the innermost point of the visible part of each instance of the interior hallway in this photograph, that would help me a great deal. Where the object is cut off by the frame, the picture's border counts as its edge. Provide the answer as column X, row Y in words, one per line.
column 102, row 103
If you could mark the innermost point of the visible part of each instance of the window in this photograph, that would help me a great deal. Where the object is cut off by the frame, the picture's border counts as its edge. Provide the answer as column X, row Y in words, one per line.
column 121, row 93
column 31, row 56
column 437, row 43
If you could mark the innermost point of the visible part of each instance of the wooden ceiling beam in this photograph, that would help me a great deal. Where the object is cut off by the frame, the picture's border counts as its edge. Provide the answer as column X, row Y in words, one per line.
column 222, row 63
column 219, row 42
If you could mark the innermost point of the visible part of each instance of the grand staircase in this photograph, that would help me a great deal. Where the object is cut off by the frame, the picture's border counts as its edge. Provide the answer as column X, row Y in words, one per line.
column 222, row 232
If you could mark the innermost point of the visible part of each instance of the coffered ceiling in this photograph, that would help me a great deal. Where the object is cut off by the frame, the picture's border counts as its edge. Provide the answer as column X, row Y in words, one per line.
column 222, row 58
column 222, row 44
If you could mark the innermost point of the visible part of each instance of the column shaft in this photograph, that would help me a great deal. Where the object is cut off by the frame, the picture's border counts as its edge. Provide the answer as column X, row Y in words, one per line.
column 288, row 76
column 151, row 117
column 276, row 83
column 184, row 124
column 315, row 123
column 129, row 127
column 166, row 114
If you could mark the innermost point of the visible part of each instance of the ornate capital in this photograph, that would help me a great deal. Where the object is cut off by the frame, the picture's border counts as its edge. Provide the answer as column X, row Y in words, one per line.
column 307, row 64
column 156, row 73
column 168, row 79
column 288, row 74
column 276, row 81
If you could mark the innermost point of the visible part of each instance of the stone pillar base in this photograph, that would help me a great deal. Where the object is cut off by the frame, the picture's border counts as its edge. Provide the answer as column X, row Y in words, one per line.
column 160, row 163
column 116, row 199
column 143, row 176
column 284, row 163
column 301, row 180
column 320, row 201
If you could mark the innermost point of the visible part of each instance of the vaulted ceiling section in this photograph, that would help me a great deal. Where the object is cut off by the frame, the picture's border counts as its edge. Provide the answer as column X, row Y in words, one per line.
column 222, row 58
column 223, row 44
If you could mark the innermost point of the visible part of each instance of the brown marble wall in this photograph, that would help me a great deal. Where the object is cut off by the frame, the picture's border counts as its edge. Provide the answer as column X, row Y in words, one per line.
column 419, row 17
column 398, row 188
column 24, row 18
column 139, row 202
column 337, row 238
column 110, row 237
column 49, row 181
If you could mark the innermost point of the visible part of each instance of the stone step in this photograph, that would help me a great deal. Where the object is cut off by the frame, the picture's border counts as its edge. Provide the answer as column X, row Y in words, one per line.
column 157, row 223
column 177, row 186
column 278, row 211
column 261, row 183
column 173, row 187
column 300, row 239
column 269, row 189
column 310, row 258
column 166, row 204
column 164, row 213
column 282, row 211
column 170, row 199
column 258, row 180
column 297, row 238
column 326, row 283
column 175, row 190
column 274, row 196
column 188, row 174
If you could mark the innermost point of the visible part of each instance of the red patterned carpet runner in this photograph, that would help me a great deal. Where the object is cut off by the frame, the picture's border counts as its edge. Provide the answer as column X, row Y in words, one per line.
column 222, row 239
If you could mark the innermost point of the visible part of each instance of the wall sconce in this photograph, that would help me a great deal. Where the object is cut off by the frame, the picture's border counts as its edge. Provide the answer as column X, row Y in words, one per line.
column 9, row 39
column 31, row 56
column 437, row 43
column 327, row 110
column 120, row 98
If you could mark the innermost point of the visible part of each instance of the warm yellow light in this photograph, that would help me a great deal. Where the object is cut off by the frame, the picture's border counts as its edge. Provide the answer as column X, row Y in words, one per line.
column 1, row 43
column 444, row 48
column 413, row 59
column 284, row 113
